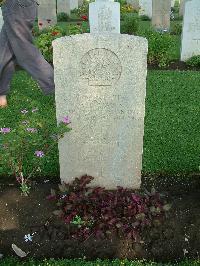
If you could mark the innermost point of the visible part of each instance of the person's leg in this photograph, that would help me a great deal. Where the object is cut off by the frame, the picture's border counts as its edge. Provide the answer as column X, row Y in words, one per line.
column 19, row 31
column 7, row 67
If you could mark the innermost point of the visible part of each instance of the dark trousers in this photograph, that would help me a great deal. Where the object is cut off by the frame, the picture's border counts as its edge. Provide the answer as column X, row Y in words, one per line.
column 16, row 46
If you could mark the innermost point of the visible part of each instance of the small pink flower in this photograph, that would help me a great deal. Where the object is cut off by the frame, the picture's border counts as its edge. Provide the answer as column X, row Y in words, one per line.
column 39, row 154
column 5, row 130
column 66, row 120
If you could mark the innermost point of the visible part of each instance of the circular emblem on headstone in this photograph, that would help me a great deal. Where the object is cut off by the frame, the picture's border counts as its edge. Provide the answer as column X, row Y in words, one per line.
column 101, row 67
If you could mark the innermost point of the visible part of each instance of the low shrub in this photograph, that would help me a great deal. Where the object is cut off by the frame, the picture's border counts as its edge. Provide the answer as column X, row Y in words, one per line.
column 45, row 39
column 145, row 18
column 130, row 24
column 194, row 61
column 83, row 10
column 47, row 36
column 176, row 29
column 62, row 17
column 100, row 212
column 159, row 47
column 33, row 140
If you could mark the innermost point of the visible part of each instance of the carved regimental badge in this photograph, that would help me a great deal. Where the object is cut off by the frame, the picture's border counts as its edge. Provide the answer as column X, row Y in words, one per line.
column 101, row 67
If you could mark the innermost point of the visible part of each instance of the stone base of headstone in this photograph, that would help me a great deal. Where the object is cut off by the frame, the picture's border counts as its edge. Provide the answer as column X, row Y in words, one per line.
column 161, row 10
column 47, row 13
column 73, row 4
column 191, row 30
column 101, row 85
column 63, row 6
column 104, row 17
column 145, row 8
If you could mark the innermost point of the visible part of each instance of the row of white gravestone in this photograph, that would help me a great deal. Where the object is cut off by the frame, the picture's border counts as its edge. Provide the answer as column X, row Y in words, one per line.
column 100, row 83
column 48, row 10
column 145, row 6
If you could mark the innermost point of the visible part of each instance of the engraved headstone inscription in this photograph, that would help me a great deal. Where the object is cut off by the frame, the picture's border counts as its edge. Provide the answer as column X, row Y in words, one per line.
column 104, row 16
column 190, row 45
column 101, row 84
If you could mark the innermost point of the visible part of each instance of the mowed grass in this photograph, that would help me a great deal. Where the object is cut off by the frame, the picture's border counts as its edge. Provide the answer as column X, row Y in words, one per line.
column 98, row 262
column 172, row 124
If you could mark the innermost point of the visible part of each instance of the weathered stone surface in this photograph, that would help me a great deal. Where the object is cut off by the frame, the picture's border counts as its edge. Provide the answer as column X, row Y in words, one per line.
column 191, row 30
column 46, row 13
column 63, row 6
column 145, row 8
column 101, row 84
column 182, row 7
column 104, row 16
column 161, row 14
column 80, row 3
column 74, row 4
column 1, row 20
column 134, row 3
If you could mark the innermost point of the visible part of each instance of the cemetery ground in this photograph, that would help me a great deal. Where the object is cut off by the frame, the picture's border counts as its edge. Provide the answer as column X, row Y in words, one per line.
column 170, row 166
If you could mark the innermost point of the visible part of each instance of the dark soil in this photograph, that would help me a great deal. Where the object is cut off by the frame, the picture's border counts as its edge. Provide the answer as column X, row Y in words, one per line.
column 177, row 65
column 177, row 238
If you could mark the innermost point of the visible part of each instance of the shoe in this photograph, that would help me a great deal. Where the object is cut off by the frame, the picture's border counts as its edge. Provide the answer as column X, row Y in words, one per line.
column 3, row 101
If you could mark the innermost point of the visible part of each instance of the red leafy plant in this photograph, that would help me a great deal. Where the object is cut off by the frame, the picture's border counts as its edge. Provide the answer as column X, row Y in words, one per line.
column 102, row 213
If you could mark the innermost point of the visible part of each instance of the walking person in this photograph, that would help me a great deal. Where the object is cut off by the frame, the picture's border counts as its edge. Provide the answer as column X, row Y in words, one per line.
column 16, row 47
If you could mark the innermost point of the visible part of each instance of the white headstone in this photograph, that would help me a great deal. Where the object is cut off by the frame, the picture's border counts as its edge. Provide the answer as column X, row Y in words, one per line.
column 104, row 16
column 191, row 30
column 63, row 6
column 101, row 84
column 80, row 3
column 161, row 10
column 46, row 13
column 1, row 20
column 73, row 4
column 172, row 3
column 145, row 8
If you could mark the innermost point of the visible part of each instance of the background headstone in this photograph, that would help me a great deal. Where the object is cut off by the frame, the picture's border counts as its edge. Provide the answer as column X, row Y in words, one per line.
column 145, row 8
column 191, row 30
column 1, row 20
column 80, row 3
column 172, row 3
column 46, row 13
column 63, row 6
column 101, row 84
column 134, row 3
column 74, row 4
column 161, row 10
column 104, row 16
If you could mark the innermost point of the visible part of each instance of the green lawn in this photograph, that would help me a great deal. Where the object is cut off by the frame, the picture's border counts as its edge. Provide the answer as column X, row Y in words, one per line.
column 52, row 262
column 171, row 141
